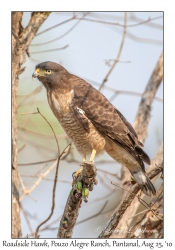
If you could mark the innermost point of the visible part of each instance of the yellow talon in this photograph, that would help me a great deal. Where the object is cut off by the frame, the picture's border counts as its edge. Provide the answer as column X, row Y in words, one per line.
column 93, row 155
column 78, row 172
column 75, row 176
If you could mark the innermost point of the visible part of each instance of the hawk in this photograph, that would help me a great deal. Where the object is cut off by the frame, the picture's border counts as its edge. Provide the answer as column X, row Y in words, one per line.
column 92, row 122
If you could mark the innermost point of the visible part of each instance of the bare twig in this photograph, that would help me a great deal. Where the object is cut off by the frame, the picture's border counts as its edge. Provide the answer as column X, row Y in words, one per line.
column 36, row 163
column 55, row 26
column 53, row 40
column 106, row 172
column 117, row 92
column 49, row 50
column 119, row 24
column 46, row 179
column 55, row 179
column 150, row 24
column 71, row 160
column 139, row 213
column 124, row 92
column 119, row 53
column 143, row 39
column 20, row 149
column 63, row 136
column 37, row 145
column 144, row 203
column 21, row 183
column 107, row 62
column 41, row 177
column 27, row 220
column 52, row 131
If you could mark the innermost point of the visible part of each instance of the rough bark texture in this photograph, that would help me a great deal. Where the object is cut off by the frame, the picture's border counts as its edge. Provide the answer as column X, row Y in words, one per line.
column 112, row 225
column 16, row 223
column 74, row 201
column 21, row 39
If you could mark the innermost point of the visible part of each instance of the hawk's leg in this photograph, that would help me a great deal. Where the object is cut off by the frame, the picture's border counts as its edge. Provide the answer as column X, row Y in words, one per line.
column 76, row 174
column 93, row 155
column 84, row 159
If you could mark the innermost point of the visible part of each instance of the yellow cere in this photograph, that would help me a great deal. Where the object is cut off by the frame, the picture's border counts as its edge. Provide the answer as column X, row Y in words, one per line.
column 37, row 71
column 41, row 72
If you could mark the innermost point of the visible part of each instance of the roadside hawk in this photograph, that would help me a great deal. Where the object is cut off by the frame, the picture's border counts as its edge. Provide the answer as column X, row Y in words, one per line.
column 92, row 122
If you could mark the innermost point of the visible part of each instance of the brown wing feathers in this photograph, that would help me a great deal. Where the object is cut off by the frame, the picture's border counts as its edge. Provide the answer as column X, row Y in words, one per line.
column 107, row 119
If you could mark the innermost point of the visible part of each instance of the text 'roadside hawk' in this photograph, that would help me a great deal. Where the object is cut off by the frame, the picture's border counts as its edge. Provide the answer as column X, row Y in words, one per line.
column 92, row 122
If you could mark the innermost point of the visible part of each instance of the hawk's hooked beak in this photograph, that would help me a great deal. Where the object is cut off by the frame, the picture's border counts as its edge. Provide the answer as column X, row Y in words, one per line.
column 38, row 72
column 34, row 75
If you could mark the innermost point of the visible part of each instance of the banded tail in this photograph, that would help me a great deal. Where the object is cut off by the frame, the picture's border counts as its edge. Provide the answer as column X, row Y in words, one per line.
column 144, row 182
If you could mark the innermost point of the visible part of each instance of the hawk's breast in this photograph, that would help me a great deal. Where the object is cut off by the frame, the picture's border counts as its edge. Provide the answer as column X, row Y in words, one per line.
column 84, row 142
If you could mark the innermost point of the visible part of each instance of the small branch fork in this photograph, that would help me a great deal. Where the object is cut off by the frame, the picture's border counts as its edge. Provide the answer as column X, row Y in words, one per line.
column 87, row 178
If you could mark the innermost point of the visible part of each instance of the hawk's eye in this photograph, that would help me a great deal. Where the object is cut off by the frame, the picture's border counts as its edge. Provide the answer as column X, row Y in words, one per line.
column 48, row 71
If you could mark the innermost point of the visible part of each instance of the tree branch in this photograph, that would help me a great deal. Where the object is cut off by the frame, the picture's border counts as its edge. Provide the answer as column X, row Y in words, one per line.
column 144, row 111
column 30, row 31
column 117, row 215
column 74, row 201
column 21, row 39
column 16, row 222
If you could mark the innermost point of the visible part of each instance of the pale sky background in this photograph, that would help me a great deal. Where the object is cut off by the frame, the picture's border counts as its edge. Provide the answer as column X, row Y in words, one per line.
column 89, row 45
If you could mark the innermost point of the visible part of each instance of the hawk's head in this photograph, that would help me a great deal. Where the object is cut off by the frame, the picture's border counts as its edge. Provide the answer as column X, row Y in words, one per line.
column 51, row 75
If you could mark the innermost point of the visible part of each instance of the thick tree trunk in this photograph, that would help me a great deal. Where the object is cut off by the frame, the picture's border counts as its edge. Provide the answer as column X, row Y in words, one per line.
column 16, row 222
column 21, row 39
